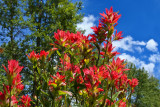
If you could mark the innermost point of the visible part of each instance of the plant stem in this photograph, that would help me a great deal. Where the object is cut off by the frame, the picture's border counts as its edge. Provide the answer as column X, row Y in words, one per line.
column 10, row 96
column 98, row 56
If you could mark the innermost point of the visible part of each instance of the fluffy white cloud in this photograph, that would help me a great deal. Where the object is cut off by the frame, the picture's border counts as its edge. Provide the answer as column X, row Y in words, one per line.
column 129, row 58
column 86, row 25
column 148, row 67
column 152, row 45
column 154, row 58
column 128, row 44
column 139, row 49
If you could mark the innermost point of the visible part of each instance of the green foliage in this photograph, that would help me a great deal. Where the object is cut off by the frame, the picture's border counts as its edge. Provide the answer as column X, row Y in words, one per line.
column 11, row 28
column 147, row 93
column 30, row 25
column 3, row 79
column 46, row 16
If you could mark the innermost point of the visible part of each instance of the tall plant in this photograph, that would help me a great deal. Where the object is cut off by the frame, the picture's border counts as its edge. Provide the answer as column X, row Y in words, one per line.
column 80, row 78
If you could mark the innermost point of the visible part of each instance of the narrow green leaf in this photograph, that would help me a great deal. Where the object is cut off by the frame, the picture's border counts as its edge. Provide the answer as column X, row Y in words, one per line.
column 60, row 92
column 44, row 92
column 116, row 95
column 58, row 53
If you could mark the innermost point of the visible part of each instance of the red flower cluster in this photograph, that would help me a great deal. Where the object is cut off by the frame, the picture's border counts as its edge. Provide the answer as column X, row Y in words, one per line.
column 133, row 83
column 67, row 39
column 105, row 28
column 107, row 51
column 65, row 62
column 15, row 84
column 13, row 68
column 25, row 101
column 91, row 80
column 83, row 72
column 33, row 57
column 71, row 40
column 122, row 104
column 56, row 81
column 87, row 66
column 110, row 17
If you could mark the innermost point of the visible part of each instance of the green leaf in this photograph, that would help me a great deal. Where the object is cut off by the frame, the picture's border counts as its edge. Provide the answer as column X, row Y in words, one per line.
column 116, row 104
column 44, row 92
column 116, row 95
column 54, row 85
column 38, row 87
column 100, row 97
column 39, row 70
column 58, row 53
column 60, row 92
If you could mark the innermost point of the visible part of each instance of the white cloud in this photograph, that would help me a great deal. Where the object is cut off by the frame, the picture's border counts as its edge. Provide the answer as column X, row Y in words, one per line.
column 128, row 44
column 142, row 43
column 154, row 58
column 86, row 25
column 152, row 45
column 139, row 49
column 129, row 58
column 148, row 67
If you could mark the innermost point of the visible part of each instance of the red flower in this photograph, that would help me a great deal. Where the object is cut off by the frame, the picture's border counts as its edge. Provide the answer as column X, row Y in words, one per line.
column 117, row 65
column 133, row 83
column 65, row 62
column 122, row 104
column 108, row 48
column 75, row 69
column 13, row 68
column 110, row 16
column 67, row 39
column 109, row 103
column 26, row 101
column 96, row 29
column 92, row 79
column 33, row 56
column 6, row 89
column 115, row 75
column 123, row 82
column 13, row 100
column 43, row 54
column 91, row 74
column 79, row 79
column 2, row 96
column 17, row 80
column 100, row 89
column 20, row 87
column 18, row 83
column 88, row 85
column 58, row 80
column 118, row 35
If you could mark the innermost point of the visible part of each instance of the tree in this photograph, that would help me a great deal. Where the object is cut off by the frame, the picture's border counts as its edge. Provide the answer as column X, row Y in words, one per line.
column 147, row 92
column 11, row 32
column 46, row 16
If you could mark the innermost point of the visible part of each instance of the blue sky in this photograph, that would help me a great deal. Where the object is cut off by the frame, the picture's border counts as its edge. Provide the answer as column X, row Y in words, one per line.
column 140, row 25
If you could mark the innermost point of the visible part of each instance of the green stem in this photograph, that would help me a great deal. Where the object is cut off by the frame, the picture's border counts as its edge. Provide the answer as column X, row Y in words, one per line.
column 104, row 100
column 98, row 56
column 10, row 96
column 105, row 96
column 129, row 97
